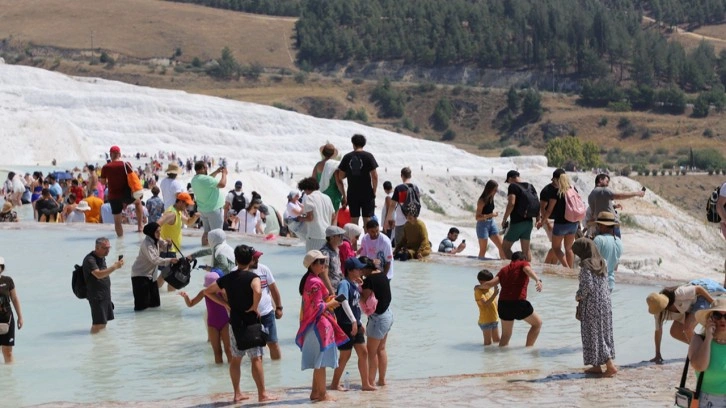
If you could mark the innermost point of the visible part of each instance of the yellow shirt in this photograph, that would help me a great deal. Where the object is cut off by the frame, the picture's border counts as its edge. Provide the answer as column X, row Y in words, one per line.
column 488, row 313
column 94, row 214
column 173, row 232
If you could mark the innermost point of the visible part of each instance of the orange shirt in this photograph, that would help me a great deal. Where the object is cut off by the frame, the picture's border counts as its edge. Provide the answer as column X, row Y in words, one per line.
column 94, row 214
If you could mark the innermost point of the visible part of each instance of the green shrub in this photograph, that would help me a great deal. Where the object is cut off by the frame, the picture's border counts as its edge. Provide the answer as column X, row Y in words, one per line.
column 646, row 134
column 708, row 133
column 357, row 81
column 196, row 62
column 602, row 122
column 280, row 105
column 619, row 106
column 301, row 77
column 510, row 152
column 625, row 171
column 624, row 122
column 449, row 135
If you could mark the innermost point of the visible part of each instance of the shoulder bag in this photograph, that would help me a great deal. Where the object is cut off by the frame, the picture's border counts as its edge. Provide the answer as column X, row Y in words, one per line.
column 685, row 397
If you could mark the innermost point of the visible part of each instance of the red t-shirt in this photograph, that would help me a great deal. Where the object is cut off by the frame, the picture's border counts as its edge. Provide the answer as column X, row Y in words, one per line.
column 513, row 281
column 78, row 191
column 115, row 175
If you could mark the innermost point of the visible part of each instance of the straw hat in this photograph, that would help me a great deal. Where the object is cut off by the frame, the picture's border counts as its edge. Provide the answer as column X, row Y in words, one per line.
column 172, row 168
column 329, row 146
column 657, row 302
column 83, row 206
column 718, row 305
column 604, row 218
column 7, row 207
column 312, row 256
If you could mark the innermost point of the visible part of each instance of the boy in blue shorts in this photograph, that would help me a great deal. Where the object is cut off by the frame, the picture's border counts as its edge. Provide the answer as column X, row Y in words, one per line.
column 486, row 300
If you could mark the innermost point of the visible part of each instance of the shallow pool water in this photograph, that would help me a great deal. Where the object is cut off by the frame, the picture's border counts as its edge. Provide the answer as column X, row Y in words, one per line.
column 163, row 354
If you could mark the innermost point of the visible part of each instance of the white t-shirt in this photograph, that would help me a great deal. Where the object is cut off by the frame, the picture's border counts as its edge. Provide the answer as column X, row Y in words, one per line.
column 106, row 214
column 266, row 279
column 322, row 208
column 248, row 222
column 292, row 209
column 169, row 189
column 379, row 248
column 230, row 197
column 76, row 216
column 722, row 191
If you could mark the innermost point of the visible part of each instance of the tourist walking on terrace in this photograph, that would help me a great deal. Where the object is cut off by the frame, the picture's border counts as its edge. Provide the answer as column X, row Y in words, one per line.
column 319, row 333
column 522, row 206
column 379, row 323
column 114, row 176
column 596, row 312
column 513, row 304
column 564, row 230
column 270, row 308
column 359, row 167
column 8, row 296
column 210, row 200
column 318, row 213
column 677, row 303
column 486, row 226
column 143, row 283
column 601, row 198
column 98, row 284
column 324, row 172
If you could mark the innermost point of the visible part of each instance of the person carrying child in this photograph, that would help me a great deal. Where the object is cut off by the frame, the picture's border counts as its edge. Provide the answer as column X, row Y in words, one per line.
column 217, row 319
column 486, row 300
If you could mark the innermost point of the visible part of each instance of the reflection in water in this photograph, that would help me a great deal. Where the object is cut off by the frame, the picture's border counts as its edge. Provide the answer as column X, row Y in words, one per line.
column 163, row 353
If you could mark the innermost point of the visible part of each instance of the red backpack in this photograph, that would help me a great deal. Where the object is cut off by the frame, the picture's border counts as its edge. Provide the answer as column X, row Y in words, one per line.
column 574, row 207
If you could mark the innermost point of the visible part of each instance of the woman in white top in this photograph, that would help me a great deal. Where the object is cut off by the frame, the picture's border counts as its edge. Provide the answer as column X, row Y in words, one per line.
column 250, row 221
column 677, row 303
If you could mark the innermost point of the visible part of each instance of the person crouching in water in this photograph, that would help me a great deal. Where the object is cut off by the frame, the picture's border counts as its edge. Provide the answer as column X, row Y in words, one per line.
column 143, row 282
column 217, row 318
column 348, row 317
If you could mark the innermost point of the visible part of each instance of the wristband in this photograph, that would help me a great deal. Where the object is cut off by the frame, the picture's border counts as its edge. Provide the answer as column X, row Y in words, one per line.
column 278, row 308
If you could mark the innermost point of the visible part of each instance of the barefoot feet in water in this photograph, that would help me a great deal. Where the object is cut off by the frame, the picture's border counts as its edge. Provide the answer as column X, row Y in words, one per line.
column 266, row 398
column 323, row 397
column 240, row 397
column 594, row 370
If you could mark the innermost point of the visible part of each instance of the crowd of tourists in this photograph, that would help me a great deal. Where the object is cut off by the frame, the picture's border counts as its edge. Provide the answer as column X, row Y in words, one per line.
column 348, row 267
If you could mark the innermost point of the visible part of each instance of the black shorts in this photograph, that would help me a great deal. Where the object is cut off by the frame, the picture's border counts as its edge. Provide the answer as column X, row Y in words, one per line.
column 361, row 206
column 101, row 311
column 8, row 339
column 514, row 309
column 118, row 205
column 146, row 293
column 359, row 338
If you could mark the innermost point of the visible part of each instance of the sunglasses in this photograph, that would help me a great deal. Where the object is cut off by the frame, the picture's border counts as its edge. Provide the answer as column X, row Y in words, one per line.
column 319, row 262
column 718, row 316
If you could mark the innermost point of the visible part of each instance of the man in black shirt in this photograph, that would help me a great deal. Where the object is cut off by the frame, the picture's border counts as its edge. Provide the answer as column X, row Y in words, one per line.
column 359, row 167
column 521, row 224
column 549, row 191
column 98, row 284
column 243, row 291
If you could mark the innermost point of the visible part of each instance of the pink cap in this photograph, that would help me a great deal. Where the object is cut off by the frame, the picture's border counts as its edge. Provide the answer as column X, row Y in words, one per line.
column 115, row 149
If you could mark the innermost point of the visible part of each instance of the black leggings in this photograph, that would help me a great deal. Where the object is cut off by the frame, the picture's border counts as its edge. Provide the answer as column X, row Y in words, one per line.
column 146, row 293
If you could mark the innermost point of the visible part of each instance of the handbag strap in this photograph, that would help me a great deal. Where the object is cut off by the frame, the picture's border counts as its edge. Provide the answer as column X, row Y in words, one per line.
column 177, row 248
column 685, row 373
column 698, row 383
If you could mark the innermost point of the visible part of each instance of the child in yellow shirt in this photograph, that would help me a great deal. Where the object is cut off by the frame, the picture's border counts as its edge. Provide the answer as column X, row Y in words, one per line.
column 486, row 300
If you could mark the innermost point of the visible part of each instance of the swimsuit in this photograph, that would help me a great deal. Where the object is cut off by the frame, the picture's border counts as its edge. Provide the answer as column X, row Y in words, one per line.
column 217, row 316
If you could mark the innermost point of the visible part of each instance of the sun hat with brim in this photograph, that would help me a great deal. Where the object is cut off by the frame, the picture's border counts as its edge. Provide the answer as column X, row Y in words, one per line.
column 604, row 218
column 7, row 207
column 657, row 302
column 718, row 305
column 172, row 168
column 329, row 146
column 312, row 256
column 83, row 206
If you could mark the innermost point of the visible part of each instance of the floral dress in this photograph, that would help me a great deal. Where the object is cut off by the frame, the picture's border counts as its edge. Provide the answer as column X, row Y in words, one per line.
column 596, row 326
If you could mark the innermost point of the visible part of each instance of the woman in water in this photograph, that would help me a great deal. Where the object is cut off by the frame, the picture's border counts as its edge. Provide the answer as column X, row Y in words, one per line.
column 486, row 227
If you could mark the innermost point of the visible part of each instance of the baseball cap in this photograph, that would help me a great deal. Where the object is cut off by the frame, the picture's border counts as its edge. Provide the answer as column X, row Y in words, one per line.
column 186, row 198
column 238, row 183
column 353, row 263
column 511, row 174
column 257, row 254
column 115, row 149
column 557, row 173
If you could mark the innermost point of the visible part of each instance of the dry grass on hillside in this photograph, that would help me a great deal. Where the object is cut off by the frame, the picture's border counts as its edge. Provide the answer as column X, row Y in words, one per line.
column 149, row 29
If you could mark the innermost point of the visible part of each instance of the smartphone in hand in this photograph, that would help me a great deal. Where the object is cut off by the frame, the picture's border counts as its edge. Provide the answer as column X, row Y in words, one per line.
column 120, row 257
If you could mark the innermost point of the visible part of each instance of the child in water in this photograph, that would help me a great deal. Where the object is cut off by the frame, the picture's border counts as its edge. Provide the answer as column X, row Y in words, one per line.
column 217, row 319
column 486, row 300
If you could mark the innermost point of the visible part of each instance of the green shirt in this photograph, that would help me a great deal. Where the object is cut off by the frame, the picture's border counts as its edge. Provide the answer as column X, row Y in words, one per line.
column 206, row 193
column 714, row 378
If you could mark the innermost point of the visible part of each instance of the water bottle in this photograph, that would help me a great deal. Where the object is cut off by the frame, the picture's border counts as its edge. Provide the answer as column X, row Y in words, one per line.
column 346, row 380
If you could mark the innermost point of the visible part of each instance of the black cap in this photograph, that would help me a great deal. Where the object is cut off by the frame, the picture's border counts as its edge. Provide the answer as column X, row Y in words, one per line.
column 511, row 174
column 238, row 183
column 557, row 173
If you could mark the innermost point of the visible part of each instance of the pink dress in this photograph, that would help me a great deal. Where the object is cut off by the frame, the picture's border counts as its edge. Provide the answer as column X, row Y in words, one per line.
column 345, row 251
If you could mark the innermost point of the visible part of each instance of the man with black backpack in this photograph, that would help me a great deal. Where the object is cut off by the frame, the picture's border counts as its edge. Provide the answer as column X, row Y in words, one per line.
column 522, row 207
column 404, row 195
column 235, row 200
column 359, row 167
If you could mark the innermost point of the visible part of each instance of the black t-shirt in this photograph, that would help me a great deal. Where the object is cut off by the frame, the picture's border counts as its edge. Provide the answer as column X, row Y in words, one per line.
column 518, row 189
column 97, row 289
column 6, row 285
column 357, row 166
column 238, row 285
column 381, row 287
column 488, row 208
column 558, row 213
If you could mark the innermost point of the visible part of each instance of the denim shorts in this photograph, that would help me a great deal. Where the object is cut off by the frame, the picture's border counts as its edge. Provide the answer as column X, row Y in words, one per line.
column 379, row 324
column 560, row 230
column 700, row 304
column 268, row 321
column 486, row 228
column 487, row 326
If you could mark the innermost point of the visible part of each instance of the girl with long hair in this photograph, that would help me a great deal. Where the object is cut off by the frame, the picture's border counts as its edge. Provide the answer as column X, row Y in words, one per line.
column 486, row 227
